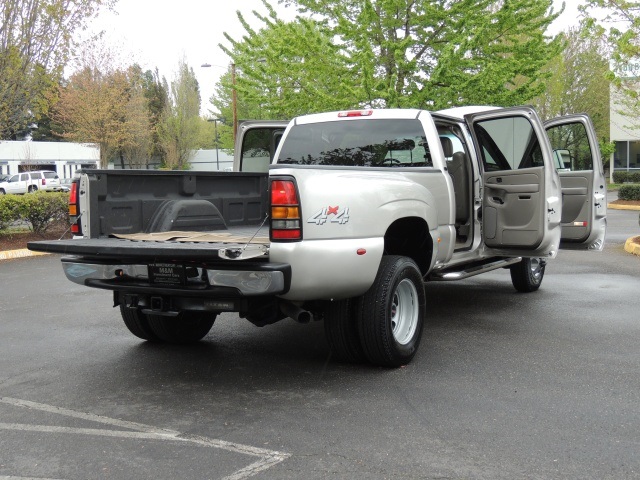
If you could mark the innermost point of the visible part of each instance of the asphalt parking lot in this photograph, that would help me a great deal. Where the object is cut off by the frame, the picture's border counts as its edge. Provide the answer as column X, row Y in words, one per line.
column 505, row 385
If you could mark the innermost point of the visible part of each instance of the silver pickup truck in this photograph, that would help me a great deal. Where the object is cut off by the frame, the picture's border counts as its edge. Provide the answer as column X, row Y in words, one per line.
column 341, row 217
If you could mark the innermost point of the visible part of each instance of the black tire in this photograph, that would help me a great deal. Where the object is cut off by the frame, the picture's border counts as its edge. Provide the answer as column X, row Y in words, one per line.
column 341, row 331
column 137, row 323
column 527, row 275
column 2, row 192
column 32, row 189
column 187, row 327
column 391, row 313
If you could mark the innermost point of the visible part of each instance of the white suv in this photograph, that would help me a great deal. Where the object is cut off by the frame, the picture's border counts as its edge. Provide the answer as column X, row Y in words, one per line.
column 28, row 182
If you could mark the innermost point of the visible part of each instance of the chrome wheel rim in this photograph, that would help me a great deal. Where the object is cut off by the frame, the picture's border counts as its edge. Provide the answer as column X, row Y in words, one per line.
column 404, row 312
column 536, row 268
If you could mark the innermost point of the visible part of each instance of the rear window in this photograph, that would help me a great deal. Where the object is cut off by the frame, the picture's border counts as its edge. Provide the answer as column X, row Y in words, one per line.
column 359, row 143
column 50, row 175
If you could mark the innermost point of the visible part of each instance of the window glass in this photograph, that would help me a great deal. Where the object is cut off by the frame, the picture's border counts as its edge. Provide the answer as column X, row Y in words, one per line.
column 508, row 144
column 50, row 175
column 258, row 147
column 362, row 143
column 570, row 145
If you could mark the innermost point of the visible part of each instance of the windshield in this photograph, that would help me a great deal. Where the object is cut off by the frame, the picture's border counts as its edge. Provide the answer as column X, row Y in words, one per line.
column 361, row 143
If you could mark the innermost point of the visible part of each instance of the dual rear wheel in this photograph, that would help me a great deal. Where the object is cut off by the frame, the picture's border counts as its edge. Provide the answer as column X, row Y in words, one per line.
column 384, row 325
column 186, row 327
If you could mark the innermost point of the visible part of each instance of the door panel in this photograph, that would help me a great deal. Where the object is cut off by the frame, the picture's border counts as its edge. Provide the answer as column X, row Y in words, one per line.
column 575, row 205
column 577, row 159
column 512, row 216
column 521, row 190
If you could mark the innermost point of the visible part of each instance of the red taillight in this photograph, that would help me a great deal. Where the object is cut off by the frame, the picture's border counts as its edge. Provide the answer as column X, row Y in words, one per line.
column 44, row 181
column 285, row 211
column 356, row 113
column 73, row 193
column 283, row 193
column 74, row 215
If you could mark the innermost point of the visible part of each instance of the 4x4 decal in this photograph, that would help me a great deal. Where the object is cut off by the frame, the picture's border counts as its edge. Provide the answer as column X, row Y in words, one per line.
column 330, row 214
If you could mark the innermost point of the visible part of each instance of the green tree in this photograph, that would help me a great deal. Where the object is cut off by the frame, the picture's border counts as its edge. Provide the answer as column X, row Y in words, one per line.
column 290, row 68
column 136, row 143
column 35, row 45
column 617, row 24
column 436, row 54
column 389, row 53
column 179, row 128
column 156, row 92
column 578, row 83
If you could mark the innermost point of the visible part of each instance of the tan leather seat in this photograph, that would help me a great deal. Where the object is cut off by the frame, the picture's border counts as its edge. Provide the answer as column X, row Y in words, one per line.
column 460, row 176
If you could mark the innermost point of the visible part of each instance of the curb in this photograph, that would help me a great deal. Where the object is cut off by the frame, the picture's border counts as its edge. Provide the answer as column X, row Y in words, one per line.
column 622, row 207
column 632, row 247
column 20, row 253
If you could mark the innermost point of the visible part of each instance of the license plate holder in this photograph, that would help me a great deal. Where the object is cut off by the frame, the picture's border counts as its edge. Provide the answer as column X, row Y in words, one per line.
column 167, row 274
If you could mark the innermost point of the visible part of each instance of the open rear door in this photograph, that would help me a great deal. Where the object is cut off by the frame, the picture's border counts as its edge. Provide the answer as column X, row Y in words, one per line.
column 578, row 162
column 521, row 190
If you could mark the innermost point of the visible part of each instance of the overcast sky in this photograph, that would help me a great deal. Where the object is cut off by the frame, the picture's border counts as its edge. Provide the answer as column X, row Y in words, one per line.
column 158, row 34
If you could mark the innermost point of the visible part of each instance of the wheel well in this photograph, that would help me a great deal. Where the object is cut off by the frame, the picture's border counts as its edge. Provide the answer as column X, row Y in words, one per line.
column 410, row 237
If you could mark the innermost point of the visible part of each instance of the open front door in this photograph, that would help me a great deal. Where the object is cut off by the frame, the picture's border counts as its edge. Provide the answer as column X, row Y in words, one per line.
column 578, row 162
column 521, row 190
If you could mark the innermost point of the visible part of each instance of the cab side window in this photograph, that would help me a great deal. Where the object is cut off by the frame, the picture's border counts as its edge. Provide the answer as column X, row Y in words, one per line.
column 508, row 144
column 571, row 149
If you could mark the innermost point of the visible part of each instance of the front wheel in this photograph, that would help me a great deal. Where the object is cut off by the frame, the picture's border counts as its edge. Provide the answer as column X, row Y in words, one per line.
column 186, row 327
column 391, row 313
column 527, row 275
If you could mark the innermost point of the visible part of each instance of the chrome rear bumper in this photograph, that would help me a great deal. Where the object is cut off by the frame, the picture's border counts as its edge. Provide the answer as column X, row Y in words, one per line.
column 255, row 280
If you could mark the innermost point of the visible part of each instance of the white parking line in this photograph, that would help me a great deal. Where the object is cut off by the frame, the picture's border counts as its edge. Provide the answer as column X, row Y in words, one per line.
column 4, row 477
column 267, row 458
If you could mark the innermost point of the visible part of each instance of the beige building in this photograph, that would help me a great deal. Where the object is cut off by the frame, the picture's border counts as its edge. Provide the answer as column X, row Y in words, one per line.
column 625, row 127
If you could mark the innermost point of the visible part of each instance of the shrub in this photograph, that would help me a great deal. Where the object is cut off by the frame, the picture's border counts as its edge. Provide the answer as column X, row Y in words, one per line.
column 629, row 192
column 619, row 177
column 43, row 209
column 633, row 177
column 9, row 210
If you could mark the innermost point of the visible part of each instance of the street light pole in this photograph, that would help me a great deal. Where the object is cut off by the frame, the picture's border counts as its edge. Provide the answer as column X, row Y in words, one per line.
column 234, row 103
column 215, row 133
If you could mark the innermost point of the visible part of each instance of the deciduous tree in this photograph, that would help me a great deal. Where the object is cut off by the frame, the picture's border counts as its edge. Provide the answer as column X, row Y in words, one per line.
column 106, row 105
column 36, row 38
column 617, row 24
column 396, row 53
column 180, row 124
column 578, row 83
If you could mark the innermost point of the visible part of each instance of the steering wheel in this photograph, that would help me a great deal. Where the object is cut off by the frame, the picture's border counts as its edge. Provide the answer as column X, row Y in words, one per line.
column 390, row 160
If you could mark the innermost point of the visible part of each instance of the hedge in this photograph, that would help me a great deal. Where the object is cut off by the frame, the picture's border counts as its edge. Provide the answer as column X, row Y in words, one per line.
column 40, row 209
column 622, row 177
column 629, row 192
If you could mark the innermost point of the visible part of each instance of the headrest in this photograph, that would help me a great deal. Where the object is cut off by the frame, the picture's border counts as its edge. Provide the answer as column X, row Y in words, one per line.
column 447, row 146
